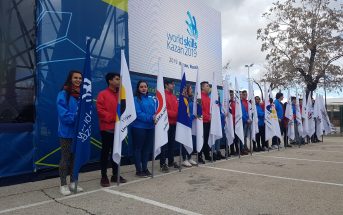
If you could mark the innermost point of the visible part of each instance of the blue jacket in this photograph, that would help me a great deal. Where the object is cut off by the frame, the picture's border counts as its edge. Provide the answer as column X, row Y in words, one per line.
column 67, row 113
column 260, row 115
column 145, row 109
column 245, row 115
column 279, row 109
column 294, row 109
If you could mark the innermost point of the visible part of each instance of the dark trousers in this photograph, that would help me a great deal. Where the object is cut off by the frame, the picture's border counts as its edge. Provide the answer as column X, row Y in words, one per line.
column 205, row 148
column 142, row 146
column 184, row 151
column 168, row 149
column 107, row 146
column 234, row 148
column 276, row 140
column 261, row 138
column 67, row 160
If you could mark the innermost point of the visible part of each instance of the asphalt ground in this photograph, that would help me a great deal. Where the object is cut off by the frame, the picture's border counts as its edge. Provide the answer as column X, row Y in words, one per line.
column 306, row 180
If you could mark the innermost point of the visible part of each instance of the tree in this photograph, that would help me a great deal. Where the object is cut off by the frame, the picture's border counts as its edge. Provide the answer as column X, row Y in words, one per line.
column 303, row 42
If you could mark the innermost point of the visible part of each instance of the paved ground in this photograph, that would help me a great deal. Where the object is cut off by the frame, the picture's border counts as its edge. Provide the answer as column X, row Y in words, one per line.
column 308, row 180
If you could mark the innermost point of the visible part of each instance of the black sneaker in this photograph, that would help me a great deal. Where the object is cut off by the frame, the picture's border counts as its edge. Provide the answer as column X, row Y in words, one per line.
column 164, row 168
column 175, row 165
column 104, row 182
column 147, row 173
column 121, row 179
column 141, row 174
column 200, row 160
column 209, row 158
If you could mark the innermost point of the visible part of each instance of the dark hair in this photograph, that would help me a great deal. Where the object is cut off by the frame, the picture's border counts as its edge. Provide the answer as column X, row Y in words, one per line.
column 203, row 83
column 231, row 91
column 293, row 98
column 109, row 76
column 67, row 86
column 168, row 81
column 271, row 100
column 188, row 87
column 278, row 95
column 244, row 91
column 139, row 94
column 257, row 97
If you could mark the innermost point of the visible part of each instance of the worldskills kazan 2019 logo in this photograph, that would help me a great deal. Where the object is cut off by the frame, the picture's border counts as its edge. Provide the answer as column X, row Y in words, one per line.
column 185, row 44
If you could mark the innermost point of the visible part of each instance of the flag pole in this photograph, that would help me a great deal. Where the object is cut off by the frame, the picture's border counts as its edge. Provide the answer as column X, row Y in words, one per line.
column 212, row 148
column 153, row 148
column 153, row 160
column 239, row 148
column 118, row 174
column 119, row 92
column 226, row 149
column 286, row 139
column 180, row 157
column 250, row 138
column 75, row 189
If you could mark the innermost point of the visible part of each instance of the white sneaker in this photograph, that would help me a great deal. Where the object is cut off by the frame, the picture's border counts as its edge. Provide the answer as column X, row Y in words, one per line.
column 274, row 147
column 186, row 163
column 64, row 190
column 191, row 161
column 72, row 187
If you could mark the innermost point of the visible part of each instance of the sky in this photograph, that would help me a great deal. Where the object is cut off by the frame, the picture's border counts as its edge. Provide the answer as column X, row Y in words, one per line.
column 240, row 21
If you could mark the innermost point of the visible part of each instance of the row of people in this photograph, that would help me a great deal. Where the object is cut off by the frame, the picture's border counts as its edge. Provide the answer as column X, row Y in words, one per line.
column 142, row 128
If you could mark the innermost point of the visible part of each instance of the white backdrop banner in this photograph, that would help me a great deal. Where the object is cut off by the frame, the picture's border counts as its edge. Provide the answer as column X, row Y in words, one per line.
column 177, row 31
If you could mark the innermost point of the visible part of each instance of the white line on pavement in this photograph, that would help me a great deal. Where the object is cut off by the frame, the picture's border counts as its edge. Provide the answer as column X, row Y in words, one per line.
column 114, row 186
column 332, row 145
column 93, row 191
column 300, row 159
column 151, row 202
column 47, row 201
column 273, row 176
column 317, row 150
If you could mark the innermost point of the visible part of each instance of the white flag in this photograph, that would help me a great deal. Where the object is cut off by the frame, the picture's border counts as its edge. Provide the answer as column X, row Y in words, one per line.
column 197, row 125
column 304, row 115
column 325, row 117
column 253, row 112
column 126, row 112
column 311, row 122
column 298, row 119
column 229, row 130
column 289, row 116
column 216, row 125
column 161, row 120
column 238, row 114
column 318, row 117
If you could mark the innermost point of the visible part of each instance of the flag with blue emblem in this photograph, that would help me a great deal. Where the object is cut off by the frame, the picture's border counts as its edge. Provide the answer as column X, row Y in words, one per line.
column 183, row 133
column 81, row 144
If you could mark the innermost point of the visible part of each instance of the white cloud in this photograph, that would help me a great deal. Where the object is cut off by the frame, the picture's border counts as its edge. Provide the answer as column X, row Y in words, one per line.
column 240, row 21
